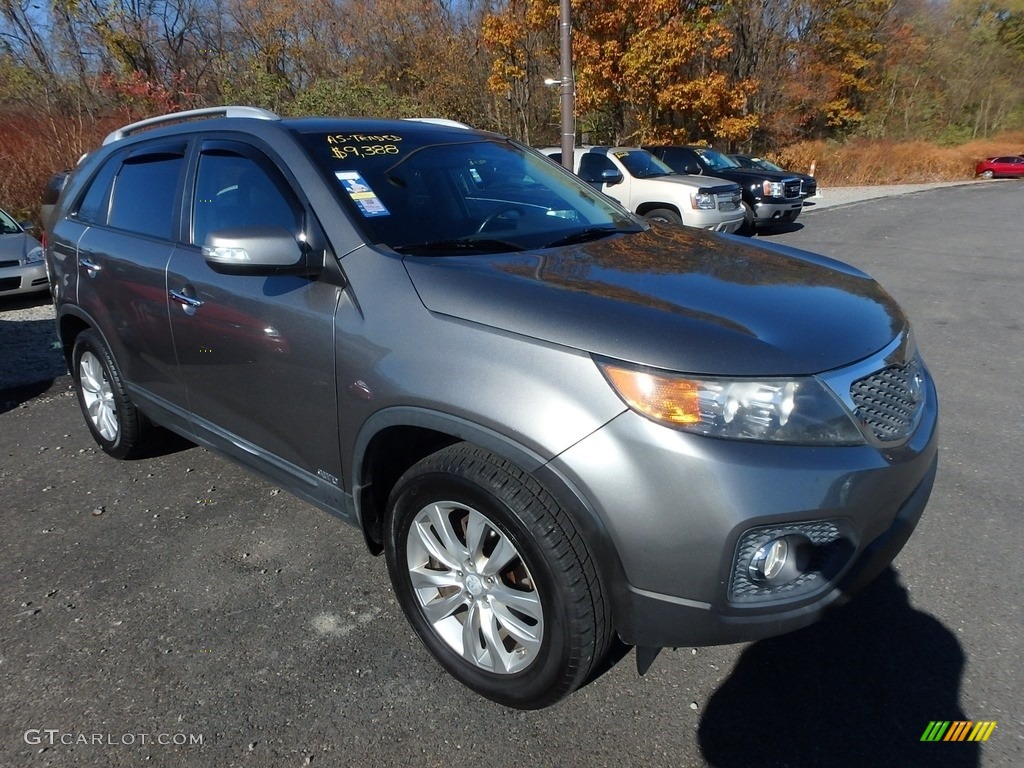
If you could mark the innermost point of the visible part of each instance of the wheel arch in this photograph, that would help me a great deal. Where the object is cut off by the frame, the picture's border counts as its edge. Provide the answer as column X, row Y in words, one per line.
column 644, row 208
column 69, row 326
column 392, row 440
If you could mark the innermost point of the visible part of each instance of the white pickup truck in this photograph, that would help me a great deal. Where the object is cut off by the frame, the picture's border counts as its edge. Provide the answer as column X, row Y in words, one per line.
column 645, row 185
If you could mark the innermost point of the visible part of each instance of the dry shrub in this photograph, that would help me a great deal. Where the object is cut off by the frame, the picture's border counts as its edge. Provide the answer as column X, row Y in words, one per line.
column 34, row 146
column 866, row 162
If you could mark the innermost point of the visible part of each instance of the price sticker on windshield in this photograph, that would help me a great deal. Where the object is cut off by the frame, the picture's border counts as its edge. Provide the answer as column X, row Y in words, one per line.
column 364, row 197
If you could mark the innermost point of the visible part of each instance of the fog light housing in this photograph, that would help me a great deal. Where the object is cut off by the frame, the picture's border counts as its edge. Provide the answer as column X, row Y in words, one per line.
column 789, row 560
column 769, row 561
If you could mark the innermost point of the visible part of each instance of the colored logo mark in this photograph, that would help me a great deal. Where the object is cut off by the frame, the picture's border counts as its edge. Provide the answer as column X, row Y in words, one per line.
column 958, row 730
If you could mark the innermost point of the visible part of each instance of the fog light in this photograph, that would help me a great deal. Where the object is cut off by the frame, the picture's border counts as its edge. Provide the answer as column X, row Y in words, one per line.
column 769, row 561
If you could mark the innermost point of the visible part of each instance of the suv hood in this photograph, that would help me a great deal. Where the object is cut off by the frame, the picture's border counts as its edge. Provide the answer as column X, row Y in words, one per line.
column 673, row 298
column 710, row 183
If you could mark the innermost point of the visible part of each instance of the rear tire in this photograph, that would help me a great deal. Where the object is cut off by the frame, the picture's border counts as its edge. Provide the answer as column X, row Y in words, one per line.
column 117, row 426
column 494, row 578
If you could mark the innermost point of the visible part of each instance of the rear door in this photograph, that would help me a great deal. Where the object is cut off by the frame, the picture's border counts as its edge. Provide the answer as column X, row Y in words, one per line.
column 125, row 226
column 256, row 351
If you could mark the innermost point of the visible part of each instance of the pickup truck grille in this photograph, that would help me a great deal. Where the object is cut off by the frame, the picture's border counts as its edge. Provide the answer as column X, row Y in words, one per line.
column 791, row 188
column 729, row 201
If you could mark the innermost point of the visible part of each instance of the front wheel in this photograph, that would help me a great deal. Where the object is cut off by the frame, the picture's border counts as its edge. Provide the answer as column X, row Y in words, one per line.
column 664, row 215
column 987, row 174
column 749, row 227
column 494, row 578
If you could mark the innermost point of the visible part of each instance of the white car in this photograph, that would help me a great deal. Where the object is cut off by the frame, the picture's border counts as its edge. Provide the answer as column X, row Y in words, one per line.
column 22, row 269
column 646, row 186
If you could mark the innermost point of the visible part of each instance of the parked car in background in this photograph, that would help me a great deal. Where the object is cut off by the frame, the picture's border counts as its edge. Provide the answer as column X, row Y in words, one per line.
column 649, row 188
column 1004, row 167
column 22, row 269
column 808, row 184
column 770, row 198
column 560, row 423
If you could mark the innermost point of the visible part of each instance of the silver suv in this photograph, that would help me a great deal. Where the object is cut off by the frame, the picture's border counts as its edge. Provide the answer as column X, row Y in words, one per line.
column 558, row 422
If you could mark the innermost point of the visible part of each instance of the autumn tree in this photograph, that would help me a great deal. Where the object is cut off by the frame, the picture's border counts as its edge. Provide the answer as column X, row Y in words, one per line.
column 523, row 42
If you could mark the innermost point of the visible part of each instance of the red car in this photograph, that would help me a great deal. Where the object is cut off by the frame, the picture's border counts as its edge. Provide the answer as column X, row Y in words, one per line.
column 1006, row 167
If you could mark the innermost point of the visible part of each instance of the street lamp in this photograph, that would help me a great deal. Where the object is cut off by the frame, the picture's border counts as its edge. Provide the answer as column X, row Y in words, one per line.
column 566, row 84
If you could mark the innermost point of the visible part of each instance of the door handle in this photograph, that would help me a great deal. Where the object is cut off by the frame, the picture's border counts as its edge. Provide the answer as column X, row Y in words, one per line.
column 185, row 301
column 89, row 264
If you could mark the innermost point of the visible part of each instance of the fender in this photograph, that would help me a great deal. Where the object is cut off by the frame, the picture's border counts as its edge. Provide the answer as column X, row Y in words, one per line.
column 572, row 500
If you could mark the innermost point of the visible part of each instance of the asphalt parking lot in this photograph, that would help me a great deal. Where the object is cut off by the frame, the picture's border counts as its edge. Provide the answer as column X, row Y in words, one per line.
column 176, row 611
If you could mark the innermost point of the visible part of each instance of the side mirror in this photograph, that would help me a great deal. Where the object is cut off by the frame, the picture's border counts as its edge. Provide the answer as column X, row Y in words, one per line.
column 611, row 176
column 28, row 225
column 692, row 168
column 260, row 251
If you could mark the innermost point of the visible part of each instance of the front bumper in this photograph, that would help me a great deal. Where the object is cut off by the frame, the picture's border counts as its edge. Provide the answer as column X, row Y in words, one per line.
column 767, row 214
column 26, row 278
column 677, row 508
column 714, row 221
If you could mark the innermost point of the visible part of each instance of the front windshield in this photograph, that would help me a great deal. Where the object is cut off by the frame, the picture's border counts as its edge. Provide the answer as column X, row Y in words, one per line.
column 641, row 164
column 431, row 193
column 8, row 226
column 716, row 160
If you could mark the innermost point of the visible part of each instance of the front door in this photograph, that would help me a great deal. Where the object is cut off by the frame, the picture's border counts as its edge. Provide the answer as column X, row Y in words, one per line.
column 256, row 352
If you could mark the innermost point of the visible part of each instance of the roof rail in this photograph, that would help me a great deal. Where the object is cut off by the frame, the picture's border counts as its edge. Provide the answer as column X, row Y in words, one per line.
column 439, row 121
column 190, row 114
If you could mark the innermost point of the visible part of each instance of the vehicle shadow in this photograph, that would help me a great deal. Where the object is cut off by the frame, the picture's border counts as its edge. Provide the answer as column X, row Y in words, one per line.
column 858, row 689
column 780, row 229
column 30, row 355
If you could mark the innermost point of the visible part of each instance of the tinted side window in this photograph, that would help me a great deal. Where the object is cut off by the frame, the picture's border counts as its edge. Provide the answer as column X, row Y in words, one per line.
column 93, row 208
column 235, row 192
column 143, row 197
column 592, row 164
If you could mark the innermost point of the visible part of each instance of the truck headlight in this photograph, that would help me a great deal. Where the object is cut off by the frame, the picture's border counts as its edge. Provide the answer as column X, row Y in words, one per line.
column 773, row 189
column 704, row 201
column 799, row 410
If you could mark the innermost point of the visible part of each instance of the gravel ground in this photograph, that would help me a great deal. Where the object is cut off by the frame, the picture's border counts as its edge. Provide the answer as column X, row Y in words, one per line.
column 30, row 357
column 29, row 351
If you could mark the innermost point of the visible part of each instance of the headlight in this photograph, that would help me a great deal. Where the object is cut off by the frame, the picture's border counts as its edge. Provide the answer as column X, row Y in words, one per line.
column 797, row 411
column 703, row 200
column 773, row 189
column 34, row 255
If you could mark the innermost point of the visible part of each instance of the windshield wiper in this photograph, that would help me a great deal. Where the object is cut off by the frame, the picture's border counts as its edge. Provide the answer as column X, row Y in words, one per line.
column 586, row 235
column 460, row 245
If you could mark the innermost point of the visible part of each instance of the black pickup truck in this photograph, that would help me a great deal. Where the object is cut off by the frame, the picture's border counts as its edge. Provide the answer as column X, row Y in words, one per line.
column 770, row 198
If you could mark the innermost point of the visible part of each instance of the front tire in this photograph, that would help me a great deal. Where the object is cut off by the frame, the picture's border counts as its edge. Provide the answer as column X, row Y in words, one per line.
column 749, row 226
column 117, row 426
column 665, row 216
column 494, row 578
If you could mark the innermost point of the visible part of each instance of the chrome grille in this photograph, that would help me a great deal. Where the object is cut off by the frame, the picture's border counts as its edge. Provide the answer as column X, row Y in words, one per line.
column 791, row 188
column 729, row 201
column 887, row 402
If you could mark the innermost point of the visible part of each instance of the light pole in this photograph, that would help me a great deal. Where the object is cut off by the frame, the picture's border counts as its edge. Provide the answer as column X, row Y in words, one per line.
column 568, row 89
